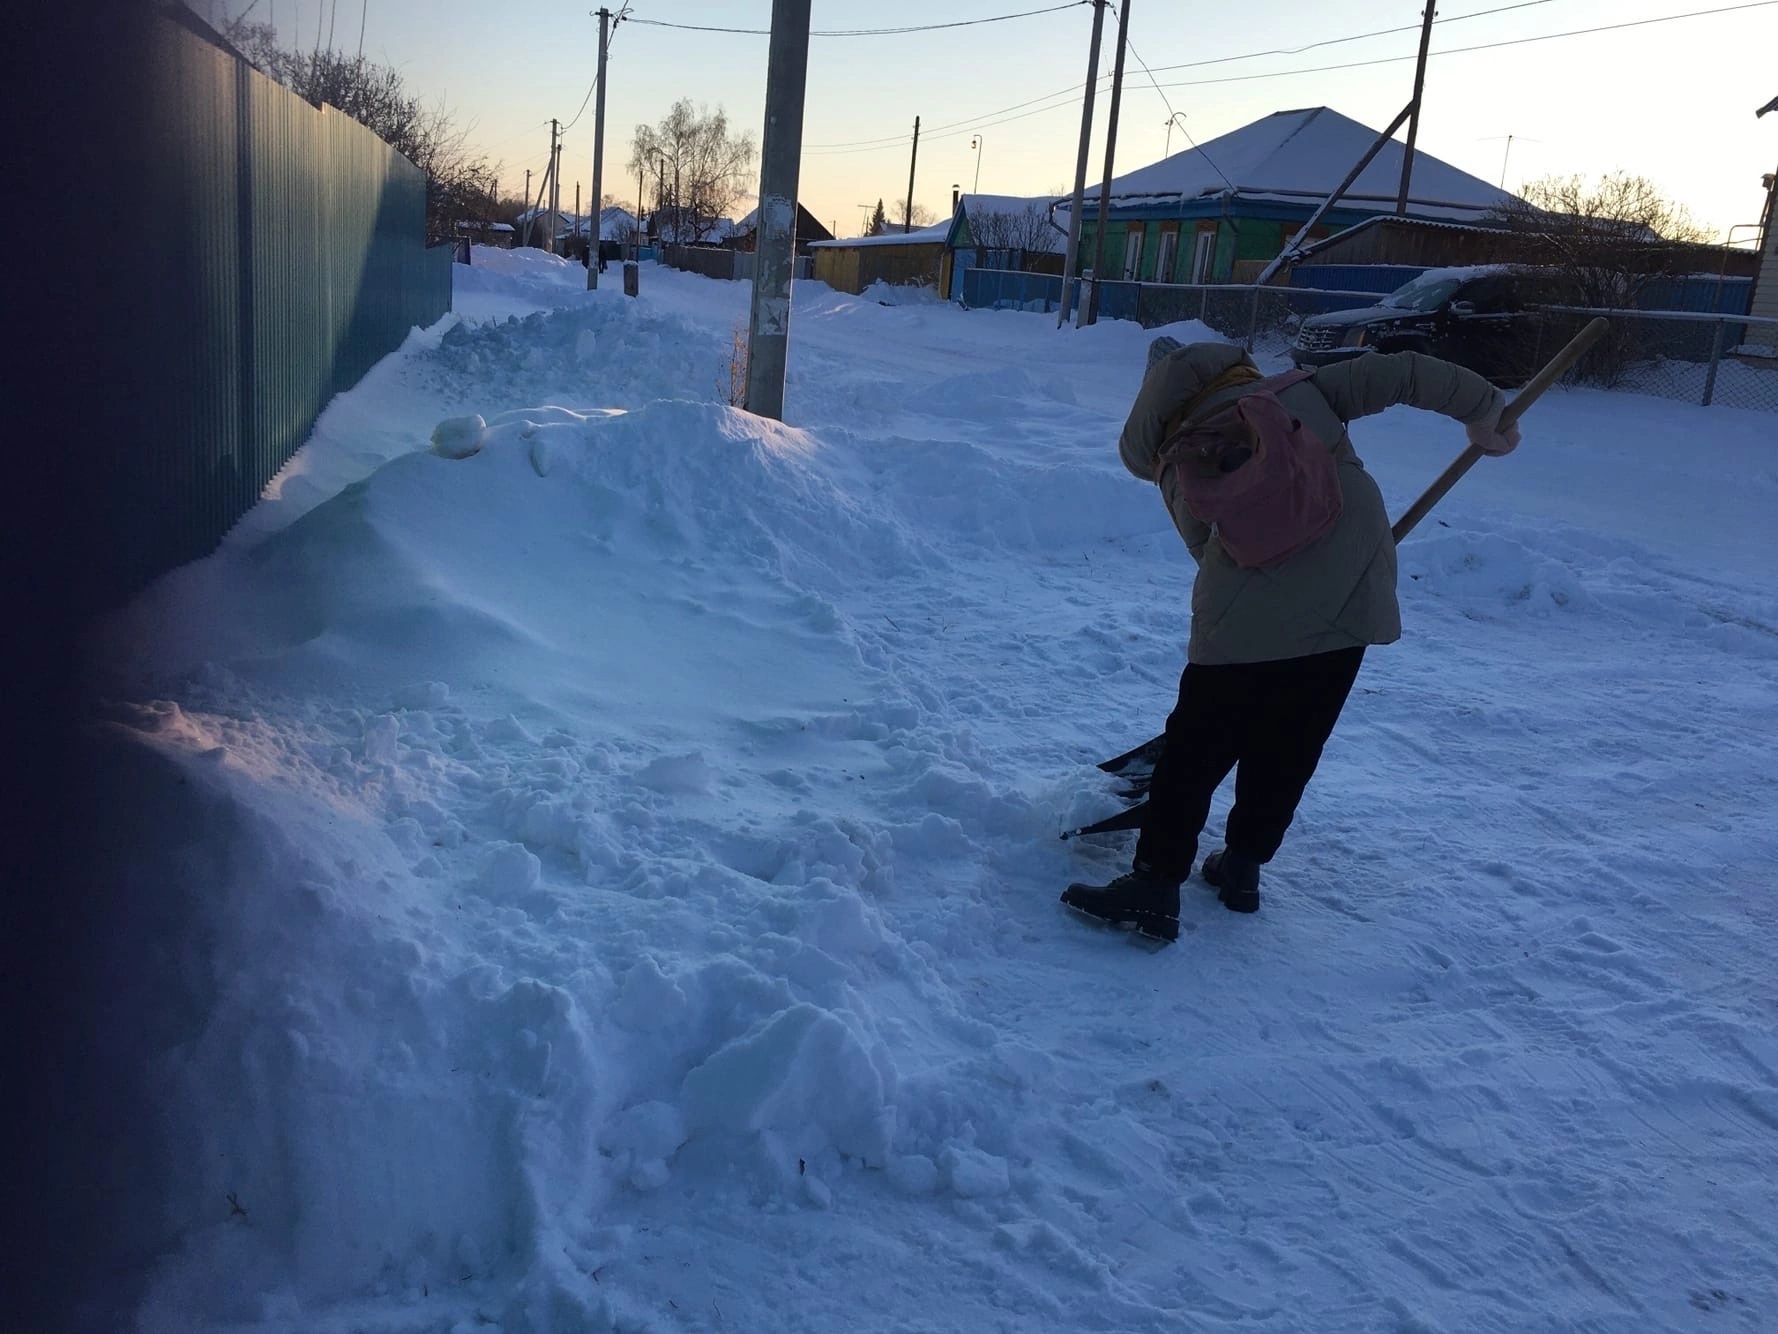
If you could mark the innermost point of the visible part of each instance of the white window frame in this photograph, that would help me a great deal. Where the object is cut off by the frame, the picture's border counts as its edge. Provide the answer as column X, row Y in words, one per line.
column 1134, row 239
column 1169, row 252
column 1203, row 256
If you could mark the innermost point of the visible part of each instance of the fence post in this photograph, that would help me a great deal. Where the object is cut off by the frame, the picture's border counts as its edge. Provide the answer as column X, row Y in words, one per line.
column 1253, row 320
column 1203, row 305
column 1722, row 329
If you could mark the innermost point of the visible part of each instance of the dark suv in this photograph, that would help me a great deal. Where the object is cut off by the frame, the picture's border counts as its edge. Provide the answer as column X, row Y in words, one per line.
column 1476, row 317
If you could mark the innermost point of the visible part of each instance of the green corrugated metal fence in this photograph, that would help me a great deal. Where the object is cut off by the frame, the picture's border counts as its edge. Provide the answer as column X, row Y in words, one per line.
column 281, row 254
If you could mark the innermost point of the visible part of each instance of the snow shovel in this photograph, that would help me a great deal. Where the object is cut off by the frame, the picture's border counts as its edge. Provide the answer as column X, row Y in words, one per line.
column 1558, row 366
column 1136, row 766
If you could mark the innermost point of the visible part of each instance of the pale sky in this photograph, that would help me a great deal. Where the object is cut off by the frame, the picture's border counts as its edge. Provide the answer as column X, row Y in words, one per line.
column 1673, row 101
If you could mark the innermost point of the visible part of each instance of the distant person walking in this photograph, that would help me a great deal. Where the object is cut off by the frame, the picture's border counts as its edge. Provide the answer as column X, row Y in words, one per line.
column 1296, row 577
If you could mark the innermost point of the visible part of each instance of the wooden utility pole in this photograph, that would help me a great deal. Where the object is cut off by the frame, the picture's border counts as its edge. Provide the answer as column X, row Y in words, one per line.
column 1117, row 89
column 525, row 237
column 1407, row 161
column 1080, row 163
column 592, row 268
column 907, row 218
column 555, row 186
column 780, row 158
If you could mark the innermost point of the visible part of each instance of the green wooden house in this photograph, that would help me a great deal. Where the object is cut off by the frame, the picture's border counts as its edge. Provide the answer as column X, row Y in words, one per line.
column 1220, row 211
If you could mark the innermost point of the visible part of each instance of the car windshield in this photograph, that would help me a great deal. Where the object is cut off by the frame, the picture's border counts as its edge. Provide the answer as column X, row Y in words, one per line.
column 1424, row 293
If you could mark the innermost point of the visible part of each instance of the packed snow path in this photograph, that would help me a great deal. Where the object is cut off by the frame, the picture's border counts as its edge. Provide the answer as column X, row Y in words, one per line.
column 610, row 881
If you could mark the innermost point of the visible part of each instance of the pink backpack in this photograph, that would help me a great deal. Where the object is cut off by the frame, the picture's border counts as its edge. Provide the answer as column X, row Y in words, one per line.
column 1266, row 482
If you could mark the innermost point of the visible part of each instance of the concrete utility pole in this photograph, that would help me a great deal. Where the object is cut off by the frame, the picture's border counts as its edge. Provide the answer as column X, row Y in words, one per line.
column 1080, row 163
column 780, row 159
column 1117, row 89
column 1407, row 162
column 592, row 268
column 907, row 218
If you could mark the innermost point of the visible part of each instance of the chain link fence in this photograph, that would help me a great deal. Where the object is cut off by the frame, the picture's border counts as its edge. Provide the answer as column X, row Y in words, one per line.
column 1731, row 360
column 1728, row 360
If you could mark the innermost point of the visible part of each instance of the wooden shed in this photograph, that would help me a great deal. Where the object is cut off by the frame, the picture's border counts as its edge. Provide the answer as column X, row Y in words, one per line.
column 897, row 258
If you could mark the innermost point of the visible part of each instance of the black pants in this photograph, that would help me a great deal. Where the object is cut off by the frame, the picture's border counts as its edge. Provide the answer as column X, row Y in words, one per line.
column 1266, row 720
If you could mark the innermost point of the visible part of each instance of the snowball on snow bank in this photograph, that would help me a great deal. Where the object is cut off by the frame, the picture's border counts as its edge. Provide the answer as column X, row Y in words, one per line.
column 458, row 437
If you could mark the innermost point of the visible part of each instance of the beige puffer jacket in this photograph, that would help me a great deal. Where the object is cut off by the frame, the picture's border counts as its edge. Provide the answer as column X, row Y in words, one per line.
column 1339, row 592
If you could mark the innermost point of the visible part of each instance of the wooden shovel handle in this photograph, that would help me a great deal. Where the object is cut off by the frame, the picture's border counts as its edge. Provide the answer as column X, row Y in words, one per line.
column 1555, row 370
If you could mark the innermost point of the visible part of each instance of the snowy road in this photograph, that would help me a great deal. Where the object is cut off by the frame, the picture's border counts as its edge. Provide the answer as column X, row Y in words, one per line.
column 617, row 871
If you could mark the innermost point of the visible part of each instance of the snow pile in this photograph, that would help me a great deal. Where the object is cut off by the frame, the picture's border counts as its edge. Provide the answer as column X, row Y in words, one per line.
column 605, row 878
column 902, row 294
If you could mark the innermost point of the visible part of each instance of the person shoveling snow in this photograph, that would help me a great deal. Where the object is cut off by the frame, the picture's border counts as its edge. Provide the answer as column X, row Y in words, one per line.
column 1296, row 578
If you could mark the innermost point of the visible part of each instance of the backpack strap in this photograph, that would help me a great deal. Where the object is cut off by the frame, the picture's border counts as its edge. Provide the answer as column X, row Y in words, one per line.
column 1284, row 381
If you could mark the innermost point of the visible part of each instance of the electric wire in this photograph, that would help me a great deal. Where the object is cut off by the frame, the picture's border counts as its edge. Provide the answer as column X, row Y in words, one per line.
column 868, row 32
column 1171, row 114
column 1067, row 96
column 1483, row 46
column 1105, row 79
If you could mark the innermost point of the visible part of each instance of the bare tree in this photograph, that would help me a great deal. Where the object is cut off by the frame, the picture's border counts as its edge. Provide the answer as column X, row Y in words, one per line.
column 1608, row 240
column 1606, row 243
column 921, row 216
column 1027, row 228
column 459, row 182
column 700, row 168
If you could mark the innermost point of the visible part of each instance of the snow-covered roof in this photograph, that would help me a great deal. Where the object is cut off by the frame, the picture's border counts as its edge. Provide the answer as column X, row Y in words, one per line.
column 484, row 226
column 1055, row 239
column 615, row 223
column 748, row 222
column 933, row 235
column 1299, row 157
column 972, row 203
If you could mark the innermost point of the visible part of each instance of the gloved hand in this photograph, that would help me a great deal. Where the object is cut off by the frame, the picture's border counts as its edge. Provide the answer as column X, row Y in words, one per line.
column 1487, row 436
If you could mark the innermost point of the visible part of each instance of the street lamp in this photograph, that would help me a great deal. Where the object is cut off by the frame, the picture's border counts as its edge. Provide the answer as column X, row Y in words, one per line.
column 976, row 143
column 1177, row 115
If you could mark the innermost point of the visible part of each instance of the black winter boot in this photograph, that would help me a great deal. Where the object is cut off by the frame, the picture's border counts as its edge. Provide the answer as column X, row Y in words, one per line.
column 1144, row 901
column 1235, row 878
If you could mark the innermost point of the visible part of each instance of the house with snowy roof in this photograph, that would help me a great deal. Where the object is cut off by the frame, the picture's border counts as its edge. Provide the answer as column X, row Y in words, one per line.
column 915, row 258
column 808, row 231
column 1001, row 232
column 1221, row 210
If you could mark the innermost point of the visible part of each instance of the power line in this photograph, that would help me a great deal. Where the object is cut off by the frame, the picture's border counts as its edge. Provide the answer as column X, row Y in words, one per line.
column 956, row 130
column 1485, row 46
column 1187, row 133
column 1355, row 37
column 1070, row 92
column 870, row 32
column 988, row 121
column 616, row 19
column 1074, row 89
